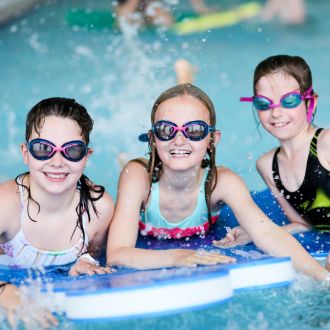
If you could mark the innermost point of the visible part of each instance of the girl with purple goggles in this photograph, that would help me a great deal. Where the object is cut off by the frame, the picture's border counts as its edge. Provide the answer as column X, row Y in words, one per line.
column 42, row 149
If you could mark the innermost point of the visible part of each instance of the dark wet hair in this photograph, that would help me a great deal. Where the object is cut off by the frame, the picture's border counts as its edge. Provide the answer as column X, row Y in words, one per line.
column 294, row 66
column 154, row 167
column 64, row 108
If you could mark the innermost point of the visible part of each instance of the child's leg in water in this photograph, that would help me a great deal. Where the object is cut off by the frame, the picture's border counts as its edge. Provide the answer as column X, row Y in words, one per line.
column 184, row 71
column 327, row 265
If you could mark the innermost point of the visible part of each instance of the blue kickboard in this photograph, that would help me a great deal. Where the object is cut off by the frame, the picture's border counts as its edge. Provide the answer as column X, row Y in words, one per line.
column 318, row 244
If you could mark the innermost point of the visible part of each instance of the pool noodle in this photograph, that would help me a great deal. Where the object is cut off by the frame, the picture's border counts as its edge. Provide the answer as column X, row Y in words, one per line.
column 185, row 24
column 218, row 20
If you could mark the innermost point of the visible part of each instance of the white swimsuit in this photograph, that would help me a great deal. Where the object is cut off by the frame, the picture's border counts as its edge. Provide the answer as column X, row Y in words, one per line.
column 19, row 253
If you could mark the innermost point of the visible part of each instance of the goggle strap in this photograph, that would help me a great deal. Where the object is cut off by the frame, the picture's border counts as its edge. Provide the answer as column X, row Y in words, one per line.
column 308, row 95
column 246, row 99
column 143, row 137
column 310, row 110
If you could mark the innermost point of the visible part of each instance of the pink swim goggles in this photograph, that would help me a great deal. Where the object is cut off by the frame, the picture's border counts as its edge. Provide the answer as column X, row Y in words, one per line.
column 73, row 151
column 288, row 101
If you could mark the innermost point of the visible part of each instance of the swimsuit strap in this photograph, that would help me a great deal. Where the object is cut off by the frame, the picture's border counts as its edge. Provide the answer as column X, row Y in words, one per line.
column 313, row 145
column 275, row 163
column 84, row 225
column 312, row 152
column 21, row 195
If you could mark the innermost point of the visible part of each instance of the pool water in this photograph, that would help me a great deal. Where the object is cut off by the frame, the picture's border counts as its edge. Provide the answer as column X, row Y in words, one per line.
column 118, row 77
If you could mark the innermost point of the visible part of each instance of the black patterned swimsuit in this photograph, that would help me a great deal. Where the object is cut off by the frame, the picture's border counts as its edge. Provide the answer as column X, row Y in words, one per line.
column 312, row 199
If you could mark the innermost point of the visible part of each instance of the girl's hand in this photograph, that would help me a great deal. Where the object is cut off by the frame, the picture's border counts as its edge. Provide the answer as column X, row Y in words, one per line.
column 327, row 264
column 88, row 267
column 192, row 258
column 236, row 236
column 10, row 301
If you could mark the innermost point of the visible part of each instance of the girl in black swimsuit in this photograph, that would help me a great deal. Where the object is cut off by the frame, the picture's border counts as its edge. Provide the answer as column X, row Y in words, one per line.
column 297, row 172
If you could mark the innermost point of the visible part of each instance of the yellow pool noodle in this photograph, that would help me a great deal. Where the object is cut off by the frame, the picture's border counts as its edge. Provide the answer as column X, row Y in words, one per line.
column 218, row 20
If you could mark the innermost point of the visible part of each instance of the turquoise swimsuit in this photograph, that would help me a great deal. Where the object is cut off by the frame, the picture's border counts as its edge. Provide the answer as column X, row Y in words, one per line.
column 153, row 223
column 312, row 199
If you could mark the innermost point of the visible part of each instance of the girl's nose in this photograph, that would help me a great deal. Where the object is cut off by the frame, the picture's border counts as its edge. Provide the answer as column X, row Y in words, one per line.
column 57, row 160
column 277, row 111
column 180, row 139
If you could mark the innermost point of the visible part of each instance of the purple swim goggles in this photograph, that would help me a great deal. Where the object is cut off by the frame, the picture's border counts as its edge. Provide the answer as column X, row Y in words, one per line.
column 73, row 151
column 165, row 130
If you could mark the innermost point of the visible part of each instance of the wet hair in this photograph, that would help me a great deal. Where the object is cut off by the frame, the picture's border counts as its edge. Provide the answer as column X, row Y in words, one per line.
column 154, row 167
column 294, row 66
column 70, row 109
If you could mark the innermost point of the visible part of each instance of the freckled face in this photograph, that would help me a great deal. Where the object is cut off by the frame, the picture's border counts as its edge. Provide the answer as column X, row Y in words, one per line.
column 57, row 174
column 282, row 123
column 181, row 153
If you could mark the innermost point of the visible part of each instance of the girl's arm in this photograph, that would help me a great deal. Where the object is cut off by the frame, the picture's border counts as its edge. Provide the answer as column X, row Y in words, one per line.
column 98, row 232
column 100, row 225
column 10, row 214
column 264, row 167
column 133, row 190
column 266, row 235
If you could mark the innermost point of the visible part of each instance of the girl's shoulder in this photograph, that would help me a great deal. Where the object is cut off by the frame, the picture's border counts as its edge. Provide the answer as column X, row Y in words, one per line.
column 134, row 180
column 223, row 171
column 227, row 179
column 264, row 162
column 228, row 183
column 225, row 175
column 267, row 157
column 135, row 171
column 102, row 200
column 323, row 147
column 105, row 204
column 10, row 199
column 9, row 191
column 323, row 140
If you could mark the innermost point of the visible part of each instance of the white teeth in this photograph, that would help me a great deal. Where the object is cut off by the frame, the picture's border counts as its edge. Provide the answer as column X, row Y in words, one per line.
column 279, row 124
column 56, row 176
column 180, row 152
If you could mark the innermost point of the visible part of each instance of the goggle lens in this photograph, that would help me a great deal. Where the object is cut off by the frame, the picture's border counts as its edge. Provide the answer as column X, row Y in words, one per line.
column 196, row 131
column 164, row 131
column 291, row 101
column 261, row 103
column 76, row 151
column 40, row 150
